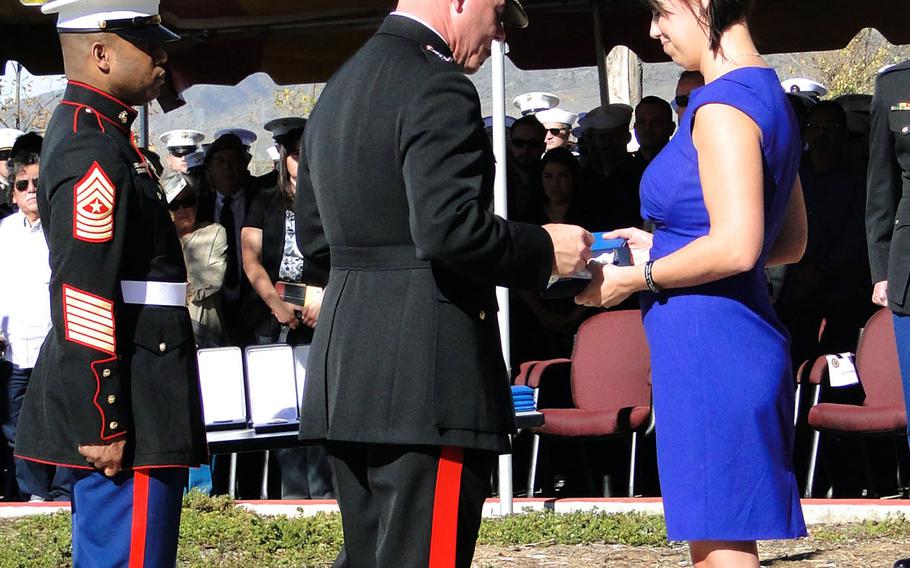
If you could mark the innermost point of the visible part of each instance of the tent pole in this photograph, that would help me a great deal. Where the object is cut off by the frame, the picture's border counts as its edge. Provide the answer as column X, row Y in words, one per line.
column 601, row 57
column 500, row 207
column 18, row 67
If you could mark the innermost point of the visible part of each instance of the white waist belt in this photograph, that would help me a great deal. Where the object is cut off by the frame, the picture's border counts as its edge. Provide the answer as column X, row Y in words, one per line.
column 153, row 293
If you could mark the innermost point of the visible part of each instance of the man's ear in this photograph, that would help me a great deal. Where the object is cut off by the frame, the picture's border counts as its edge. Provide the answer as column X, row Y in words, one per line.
column 101, row 56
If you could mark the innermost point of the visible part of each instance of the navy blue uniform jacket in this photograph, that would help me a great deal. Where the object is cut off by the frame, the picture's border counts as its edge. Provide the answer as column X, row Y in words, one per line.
column 108, row 370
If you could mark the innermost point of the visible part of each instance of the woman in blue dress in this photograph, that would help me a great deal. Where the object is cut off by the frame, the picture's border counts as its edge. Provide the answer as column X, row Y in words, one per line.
column 725, row 200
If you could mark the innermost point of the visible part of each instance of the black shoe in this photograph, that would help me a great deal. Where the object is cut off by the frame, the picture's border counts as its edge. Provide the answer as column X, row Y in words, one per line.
column 902, row 563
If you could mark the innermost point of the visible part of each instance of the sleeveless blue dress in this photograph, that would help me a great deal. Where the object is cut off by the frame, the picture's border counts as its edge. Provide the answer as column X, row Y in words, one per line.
column 722, row 380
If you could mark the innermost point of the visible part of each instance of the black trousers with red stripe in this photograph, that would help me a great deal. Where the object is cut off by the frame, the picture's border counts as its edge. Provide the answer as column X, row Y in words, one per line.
column 404, row 506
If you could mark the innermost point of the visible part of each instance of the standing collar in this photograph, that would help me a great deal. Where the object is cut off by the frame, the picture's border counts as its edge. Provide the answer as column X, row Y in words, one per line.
column 410, row 27
column 114, row 110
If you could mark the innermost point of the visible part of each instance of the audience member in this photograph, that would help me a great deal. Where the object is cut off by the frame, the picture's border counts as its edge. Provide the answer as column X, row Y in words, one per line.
column 7, row 138
column 558, row 124
column 653, row 127
column 270, row 256
column 205, row 252
column 526, row 146
column 610, row 176
column 179, row 144
column 832, row 282
column 688, row 82
column 545, row 328
column 226, row 170
column 25, row 318
column 858, row 108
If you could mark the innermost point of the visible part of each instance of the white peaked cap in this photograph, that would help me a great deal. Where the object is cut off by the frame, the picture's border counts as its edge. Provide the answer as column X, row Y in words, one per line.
column 804, row 87
column 556, row 115
column 8, row 137
column 529, row 103
column 182, row 138
column 85, row 14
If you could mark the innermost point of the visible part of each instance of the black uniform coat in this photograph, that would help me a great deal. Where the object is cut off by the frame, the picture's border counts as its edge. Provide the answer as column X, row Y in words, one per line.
column 888, row 187
column 108, row 370
column 394, row 187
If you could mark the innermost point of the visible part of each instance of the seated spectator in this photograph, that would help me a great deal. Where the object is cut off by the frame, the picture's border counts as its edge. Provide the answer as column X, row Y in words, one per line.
column 25, row 318
column 545, row 328
column 205, row 252
column 526, row 146
column 832, row 281
column 653, row 127
column 270, row 255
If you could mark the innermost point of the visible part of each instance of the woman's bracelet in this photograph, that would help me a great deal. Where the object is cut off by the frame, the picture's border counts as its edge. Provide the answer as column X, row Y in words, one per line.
column 649, row 278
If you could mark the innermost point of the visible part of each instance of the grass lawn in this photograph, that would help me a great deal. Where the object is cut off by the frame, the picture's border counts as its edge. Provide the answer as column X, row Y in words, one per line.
column 215, row 533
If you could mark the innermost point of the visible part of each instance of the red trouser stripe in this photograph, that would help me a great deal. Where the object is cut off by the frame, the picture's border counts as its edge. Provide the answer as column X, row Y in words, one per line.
column 444, row 533
column 140, row 518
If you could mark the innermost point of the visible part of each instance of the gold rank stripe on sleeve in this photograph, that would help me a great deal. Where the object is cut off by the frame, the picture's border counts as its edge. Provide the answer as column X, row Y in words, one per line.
column 89, row 320
column 93, row 196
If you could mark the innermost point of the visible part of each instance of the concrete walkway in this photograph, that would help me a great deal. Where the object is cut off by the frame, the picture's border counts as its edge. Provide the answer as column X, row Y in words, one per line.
column 816, row 511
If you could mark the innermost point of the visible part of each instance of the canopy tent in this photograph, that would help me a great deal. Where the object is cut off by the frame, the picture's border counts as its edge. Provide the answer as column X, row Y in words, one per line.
column 224, row 41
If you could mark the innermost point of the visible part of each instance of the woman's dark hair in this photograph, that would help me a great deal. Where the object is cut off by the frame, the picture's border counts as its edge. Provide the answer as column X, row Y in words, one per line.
column 285, row 188
column 561, row 156
column 16, row 163
column 717, row 17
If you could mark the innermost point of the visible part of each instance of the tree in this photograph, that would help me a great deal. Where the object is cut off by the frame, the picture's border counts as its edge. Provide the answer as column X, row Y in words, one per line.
column 853, row 68
column 28, row 112
column 296, row 100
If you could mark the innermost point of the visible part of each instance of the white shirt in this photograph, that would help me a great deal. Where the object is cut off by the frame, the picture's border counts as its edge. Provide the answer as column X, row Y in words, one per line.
column 421, row 22
column 25, row 306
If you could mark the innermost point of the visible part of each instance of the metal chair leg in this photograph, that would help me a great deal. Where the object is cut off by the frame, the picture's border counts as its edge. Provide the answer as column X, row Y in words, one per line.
column 799, row 391
column 232, row 476
column 813, row 453
column 532, row 467
column 632, row 463
column 264, row 490
column 813, row 459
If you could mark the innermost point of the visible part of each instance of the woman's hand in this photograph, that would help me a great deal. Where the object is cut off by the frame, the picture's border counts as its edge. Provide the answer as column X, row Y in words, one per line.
column 610, row 285
column 310, row 314
column 639, row 242
column 285, row 313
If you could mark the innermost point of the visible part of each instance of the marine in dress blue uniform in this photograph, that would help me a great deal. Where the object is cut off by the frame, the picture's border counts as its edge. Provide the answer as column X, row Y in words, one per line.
column 114, row 393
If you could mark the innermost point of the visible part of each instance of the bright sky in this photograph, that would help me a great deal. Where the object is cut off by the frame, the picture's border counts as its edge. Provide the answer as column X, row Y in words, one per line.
column 36, row 84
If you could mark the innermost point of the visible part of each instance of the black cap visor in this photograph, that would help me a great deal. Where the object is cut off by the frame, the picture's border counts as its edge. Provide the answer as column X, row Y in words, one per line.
column 514, row 15
column 153, row 35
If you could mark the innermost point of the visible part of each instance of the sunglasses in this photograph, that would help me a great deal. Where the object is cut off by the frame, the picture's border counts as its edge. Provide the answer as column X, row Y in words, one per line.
column 521, row 143
column 184, row 203
column 22, row 184
column 557, row 131
column 681, row 100
column 180, row 152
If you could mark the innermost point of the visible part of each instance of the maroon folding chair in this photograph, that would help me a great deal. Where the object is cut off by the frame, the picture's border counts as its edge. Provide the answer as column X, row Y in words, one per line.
column 882, row 413
column 609, row 375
